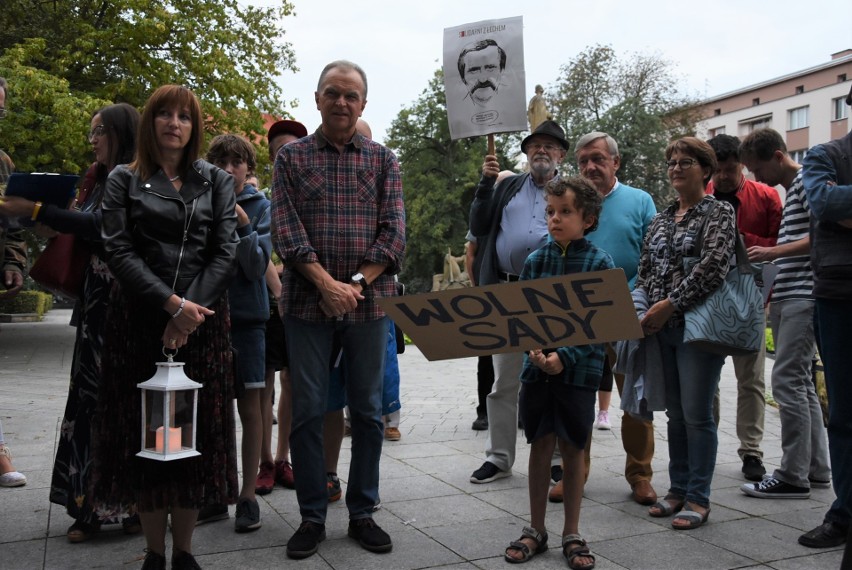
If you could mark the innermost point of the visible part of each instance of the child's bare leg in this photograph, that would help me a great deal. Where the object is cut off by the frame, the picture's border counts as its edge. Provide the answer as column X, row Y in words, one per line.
column 541, row 453
column 573, row 483
column 266, row 413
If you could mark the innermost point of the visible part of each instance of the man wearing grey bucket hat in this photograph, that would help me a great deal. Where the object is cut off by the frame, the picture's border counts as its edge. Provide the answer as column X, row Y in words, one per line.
column 509, row 223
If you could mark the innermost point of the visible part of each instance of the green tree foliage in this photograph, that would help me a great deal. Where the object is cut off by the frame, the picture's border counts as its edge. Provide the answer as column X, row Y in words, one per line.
column 46, row 123
column 635, row 98
column 439, row 176
column 86, row 53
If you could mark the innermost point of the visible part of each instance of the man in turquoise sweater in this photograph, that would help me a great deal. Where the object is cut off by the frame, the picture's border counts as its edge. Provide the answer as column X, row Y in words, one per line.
column 627, row 211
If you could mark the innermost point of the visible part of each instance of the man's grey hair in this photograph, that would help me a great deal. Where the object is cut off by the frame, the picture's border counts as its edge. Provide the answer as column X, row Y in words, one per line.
column 589, row 138
column 343, row 64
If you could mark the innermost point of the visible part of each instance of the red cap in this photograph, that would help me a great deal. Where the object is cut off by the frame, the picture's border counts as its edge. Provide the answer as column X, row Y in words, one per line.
column 286, row 127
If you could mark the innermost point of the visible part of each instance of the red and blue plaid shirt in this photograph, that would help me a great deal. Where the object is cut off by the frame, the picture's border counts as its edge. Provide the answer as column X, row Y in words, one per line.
column 341, row 210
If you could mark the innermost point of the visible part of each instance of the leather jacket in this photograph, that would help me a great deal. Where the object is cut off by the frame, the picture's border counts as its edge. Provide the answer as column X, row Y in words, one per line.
column 159, row 241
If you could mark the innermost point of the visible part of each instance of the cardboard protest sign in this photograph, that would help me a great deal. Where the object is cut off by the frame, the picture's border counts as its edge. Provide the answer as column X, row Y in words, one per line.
column 484, row 77
column 569, row 310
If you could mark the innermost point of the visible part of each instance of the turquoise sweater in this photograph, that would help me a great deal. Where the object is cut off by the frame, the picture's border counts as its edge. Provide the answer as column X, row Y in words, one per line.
column 626, row 214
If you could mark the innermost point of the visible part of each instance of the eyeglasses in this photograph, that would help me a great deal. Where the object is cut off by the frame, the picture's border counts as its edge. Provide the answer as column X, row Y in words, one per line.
column 684, row 163
column 98, row 131
column 2, row 112
column 535, row 147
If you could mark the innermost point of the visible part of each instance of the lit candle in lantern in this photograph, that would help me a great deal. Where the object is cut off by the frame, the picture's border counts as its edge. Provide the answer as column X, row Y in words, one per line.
column 174, row 439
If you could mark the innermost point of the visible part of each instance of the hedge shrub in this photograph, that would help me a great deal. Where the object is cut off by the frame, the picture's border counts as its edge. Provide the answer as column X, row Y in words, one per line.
column 37, row 302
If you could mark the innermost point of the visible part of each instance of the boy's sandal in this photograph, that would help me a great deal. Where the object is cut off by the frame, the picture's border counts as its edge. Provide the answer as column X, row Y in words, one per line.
column 582, row 550
column 693, row 519
column 527, row 554
column 664, row 508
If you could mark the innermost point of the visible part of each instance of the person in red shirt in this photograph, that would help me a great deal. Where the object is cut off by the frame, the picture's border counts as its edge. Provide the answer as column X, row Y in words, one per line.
column 758, row 208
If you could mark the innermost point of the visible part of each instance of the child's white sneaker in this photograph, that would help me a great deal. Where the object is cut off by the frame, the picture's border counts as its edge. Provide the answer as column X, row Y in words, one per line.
column 603, row 420
column 11, row 478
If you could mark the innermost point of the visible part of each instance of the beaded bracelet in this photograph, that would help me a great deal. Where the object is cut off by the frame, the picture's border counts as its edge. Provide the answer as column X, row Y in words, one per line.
column 180, row 309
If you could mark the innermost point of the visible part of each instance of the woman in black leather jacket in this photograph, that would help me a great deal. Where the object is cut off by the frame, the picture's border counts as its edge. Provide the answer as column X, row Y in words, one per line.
column 169, row 231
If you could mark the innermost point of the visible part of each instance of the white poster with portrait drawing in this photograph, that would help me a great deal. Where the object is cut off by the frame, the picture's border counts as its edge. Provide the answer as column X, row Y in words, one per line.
column 484, row 77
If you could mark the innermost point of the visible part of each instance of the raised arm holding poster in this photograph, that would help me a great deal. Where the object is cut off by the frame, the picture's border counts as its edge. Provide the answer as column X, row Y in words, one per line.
column 484, row 77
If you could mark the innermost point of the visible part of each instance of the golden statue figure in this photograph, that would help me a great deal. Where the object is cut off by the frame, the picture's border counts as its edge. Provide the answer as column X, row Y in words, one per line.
column 537, row 111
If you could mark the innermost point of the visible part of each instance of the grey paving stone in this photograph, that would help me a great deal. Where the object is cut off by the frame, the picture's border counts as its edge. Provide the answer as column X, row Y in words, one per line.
column 669, row 550
column 22, row 555
column 436, row 517
column 439, row 511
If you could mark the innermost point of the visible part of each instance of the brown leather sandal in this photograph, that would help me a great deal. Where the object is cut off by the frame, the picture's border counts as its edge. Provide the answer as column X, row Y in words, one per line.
column 582, row 550
column 527, row 554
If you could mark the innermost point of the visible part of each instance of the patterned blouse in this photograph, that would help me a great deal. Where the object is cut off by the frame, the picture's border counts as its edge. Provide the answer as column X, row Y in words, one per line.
column 667, row 242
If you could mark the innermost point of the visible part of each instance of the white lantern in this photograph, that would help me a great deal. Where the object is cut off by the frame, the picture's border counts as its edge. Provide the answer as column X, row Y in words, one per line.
column 169, row 413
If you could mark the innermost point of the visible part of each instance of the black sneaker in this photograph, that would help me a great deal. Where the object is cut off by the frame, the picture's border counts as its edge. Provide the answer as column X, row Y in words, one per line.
column 556, row 473
column 369, row 535
column 753, row 468
column 826, row 535
column 184, row 561
column 212, row 513
column 772, row 488
column 333, row 485
column 480, row 423
column 247, row 517
column 488, row 472
column 306, row 540
column 154, row 561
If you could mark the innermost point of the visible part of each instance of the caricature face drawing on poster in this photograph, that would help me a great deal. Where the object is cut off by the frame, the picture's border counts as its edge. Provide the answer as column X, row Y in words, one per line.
column 484, row 77
column 481, row 67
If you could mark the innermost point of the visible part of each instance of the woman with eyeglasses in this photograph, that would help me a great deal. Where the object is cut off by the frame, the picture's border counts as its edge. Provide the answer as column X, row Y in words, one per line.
column 169, row 230
column 113, row 140
column 666, row 288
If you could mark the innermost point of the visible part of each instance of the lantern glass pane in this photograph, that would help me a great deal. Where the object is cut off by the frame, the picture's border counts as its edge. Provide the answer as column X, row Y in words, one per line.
column 183, row 412
column 154, row 416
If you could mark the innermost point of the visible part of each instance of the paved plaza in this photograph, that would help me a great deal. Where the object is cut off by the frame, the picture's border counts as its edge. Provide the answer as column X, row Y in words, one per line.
column 436, row 517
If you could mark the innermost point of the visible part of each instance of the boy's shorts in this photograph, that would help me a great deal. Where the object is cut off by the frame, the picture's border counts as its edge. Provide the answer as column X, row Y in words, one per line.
column 250, row 358
column 555, row 407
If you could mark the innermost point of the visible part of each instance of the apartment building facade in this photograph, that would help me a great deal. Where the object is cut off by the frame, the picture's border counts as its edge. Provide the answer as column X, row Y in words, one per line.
column 807, row 107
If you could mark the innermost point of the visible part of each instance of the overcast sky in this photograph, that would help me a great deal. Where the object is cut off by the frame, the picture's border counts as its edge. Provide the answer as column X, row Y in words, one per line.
column 715, row 47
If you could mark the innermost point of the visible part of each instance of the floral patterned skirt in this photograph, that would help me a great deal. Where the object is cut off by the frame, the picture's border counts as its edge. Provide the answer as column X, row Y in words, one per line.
column 69, row 484
column 131, row 348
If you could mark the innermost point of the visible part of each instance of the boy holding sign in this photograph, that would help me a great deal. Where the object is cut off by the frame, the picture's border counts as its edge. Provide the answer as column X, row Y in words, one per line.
column 558, row 386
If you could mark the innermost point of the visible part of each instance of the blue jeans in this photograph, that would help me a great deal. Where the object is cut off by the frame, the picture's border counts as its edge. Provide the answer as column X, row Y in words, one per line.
column 692, row 376
column 309, row 346
column 833, row 327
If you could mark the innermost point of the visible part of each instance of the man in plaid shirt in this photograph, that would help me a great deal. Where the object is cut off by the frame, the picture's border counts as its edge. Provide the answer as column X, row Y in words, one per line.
column 340, row 231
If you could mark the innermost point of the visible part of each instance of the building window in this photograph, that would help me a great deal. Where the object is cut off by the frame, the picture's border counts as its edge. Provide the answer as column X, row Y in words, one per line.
column 800, row 89
column 841, row 78
column 717, row 112
column 717, row 131
column 839, row 109
column 755, row 101
column 798, row 155
column 748, row 125
column 797, row 118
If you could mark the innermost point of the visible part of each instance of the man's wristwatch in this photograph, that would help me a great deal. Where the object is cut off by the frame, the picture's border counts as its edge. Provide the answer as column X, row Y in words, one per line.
column 359, row 279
